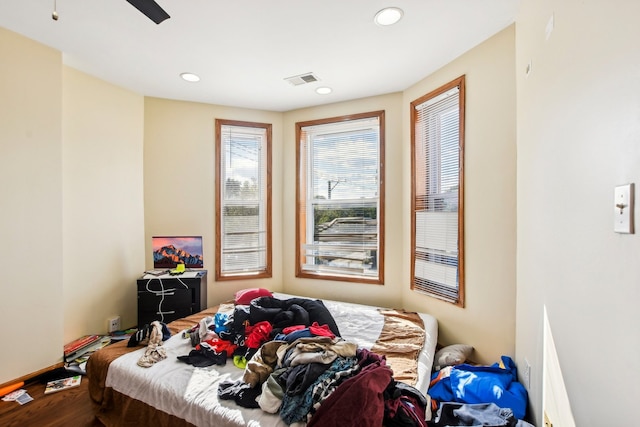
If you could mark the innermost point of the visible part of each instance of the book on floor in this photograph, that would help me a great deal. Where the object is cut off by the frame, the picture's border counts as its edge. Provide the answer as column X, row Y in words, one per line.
column 84, row 345
column 62, row 384
column 80, row 343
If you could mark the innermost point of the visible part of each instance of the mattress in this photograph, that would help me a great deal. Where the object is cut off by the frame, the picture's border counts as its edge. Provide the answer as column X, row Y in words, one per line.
column 174, row 393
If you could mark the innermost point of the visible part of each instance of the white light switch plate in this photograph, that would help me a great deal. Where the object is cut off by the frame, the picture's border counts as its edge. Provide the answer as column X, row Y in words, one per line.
column 623, row 209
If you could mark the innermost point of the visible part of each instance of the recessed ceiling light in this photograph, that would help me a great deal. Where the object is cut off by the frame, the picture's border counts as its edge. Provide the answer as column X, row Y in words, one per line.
column 323, row 90
column 388, row 16
column 190, row 77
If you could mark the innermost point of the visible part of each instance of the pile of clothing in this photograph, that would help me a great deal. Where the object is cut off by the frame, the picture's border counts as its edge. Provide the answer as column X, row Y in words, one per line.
column 297, row 365
column 240, row 334
column 152, row 335
column 469, row 395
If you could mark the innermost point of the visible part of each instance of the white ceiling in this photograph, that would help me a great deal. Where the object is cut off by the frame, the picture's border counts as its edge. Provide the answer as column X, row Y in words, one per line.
column 244, row 49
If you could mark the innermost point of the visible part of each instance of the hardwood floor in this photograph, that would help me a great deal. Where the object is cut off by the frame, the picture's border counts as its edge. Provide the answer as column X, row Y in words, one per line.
column 70, row 407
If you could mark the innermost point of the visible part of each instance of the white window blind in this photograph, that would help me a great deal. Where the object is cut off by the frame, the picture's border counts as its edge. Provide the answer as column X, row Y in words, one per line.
column 437, row 182
column 243, row 229
column 340, row 216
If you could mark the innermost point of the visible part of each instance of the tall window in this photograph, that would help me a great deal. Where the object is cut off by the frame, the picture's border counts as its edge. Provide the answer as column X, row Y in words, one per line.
column 243, row 200
column 340, row 193
column 437, row 144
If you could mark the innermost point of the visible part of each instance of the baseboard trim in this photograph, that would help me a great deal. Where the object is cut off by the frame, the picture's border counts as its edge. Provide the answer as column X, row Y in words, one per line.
column 32, row 375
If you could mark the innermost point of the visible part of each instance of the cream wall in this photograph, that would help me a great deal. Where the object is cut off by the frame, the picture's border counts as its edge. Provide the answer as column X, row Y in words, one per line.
column 30, row 205
column 103, row 219
column 72, row 204
column 179, row 192
column 488, row 319
column 578, row 137
column 391, row 293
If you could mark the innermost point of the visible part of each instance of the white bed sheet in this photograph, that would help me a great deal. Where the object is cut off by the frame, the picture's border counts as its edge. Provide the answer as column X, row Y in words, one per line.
column 191, row 393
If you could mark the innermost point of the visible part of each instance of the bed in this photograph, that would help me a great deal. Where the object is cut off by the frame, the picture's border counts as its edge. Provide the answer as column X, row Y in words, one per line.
column 174, row 393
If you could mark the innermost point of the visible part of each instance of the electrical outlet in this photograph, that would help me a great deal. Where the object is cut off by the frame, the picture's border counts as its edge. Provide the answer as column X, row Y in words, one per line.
column 526, row 374
column 113, row 324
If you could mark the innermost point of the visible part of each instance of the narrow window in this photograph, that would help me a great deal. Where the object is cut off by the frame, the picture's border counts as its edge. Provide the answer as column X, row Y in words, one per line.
column 340, row 198
column 243, row 200
column 437, row 220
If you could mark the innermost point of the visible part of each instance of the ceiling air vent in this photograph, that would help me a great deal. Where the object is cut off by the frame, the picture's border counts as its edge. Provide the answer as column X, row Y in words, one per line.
column 302, row 79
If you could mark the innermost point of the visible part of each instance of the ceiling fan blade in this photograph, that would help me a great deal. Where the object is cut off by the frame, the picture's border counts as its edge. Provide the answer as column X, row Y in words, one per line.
column 151, row 9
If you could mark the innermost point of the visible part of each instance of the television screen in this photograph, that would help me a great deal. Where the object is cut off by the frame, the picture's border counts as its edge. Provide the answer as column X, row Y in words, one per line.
column 169, row 251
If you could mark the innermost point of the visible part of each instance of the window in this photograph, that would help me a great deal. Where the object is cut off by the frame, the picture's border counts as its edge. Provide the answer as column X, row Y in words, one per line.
column 340, row 194
column 243, row 200
column 437, row 144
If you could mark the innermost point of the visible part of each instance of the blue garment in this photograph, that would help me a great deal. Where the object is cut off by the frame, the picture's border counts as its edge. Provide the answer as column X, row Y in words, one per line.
column 483, row 384
column 292, row 336
column 219, row 321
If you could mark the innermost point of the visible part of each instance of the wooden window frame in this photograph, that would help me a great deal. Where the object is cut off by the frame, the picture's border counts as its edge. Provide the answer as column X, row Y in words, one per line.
column 301, row 188
column 266, row 272
column 460, row 84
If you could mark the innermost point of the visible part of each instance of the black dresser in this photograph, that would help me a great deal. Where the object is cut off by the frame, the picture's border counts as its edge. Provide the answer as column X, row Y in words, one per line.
column 167, row 298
